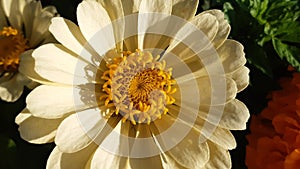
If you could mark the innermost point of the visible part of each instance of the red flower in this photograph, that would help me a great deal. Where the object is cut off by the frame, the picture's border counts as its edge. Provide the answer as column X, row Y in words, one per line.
column 274, row 142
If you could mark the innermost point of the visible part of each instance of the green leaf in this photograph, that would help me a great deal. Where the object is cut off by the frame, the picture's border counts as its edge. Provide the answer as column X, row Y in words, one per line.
column 289, row 32
column 288, row 52
column 8, row 152
column 258, row 58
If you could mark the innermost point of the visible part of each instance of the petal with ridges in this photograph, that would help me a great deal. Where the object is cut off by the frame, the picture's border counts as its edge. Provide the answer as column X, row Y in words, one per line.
column 152, row 14
column 189, row 153
column 185, row 9
column 223, row 30
column 241, row 78
column 219, row 157
column 232, row 55
column 234, row 116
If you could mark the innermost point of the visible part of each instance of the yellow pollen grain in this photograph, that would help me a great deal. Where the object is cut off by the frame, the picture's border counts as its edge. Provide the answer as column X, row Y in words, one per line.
column 12, row 45
column 139, row 87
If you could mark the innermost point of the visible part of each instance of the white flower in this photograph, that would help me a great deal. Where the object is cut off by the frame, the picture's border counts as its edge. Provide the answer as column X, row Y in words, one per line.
column 23, row 27
column 114, row 106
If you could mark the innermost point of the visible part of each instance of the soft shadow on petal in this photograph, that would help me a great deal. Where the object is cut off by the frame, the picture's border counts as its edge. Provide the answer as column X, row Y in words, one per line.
column 56, row 63
column 219, row 157
column 12, row 89
column 69, row 35
column 3, row 21
column 234, row 116
column 78, row 160
column 189, row 153
column 185, row 9
column 232, row 55
column 103, row 159
column 153, row 16
column 71, row 136
column 223, row 29
column 26, row 67
column 241, row 78
column 37, row 130
column 146, row 163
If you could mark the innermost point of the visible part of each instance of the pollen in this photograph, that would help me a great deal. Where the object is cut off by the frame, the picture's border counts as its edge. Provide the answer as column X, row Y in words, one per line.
column 139, row 86
column 12, row 45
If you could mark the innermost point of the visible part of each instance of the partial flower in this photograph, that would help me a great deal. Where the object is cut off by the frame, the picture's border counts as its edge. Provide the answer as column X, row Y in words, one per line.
column 274, row 141
column 23, row 27
column 109, row 100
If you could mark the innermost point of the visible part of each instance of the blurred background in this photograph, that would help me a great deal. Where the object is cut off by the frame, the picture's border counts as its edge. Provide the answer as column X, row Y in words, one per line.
column 269, row 31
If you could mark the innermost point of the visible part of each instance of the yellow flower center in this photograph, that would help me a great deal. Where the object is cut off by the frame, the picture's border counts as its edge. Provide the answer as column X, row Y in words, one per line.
column 12, row 45
column 138, row 86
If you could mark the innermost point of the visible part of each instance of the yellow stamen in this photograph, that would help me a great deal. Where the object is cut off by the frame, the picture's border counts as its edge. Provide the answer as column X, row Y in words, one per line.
column 12, row 45
column 139, row 87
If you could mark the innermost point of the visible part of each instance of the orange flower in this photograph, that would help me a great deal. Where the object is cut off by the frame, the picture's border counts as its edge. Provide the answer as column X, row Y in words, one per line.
column 274, row 142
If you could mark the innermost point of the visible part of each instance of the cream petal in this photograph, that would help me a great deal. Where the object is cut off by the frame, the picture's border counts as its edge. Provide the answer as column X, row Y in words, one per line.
column 26, row 67
column 91, row 18
column 146, row 163
column 69, row 35
column 37, row 130
column 71, row 136
column 207, row 23
column 149, row 20
column 6, row 5
column 217, row 135
column 86, row 127
column 169, row 163
column 13, row 9
column 31, row 9
column 207, row 128
column 66, row 100
column 115, row 11
column 241, row 78
column 103, row 159
column 219, row 157
column 78, row 160
column 223, row 30
column 40, row 27
column 147, row 6
column 232, row 55
column 95, row 24
column 197, row 36
column 185, row 9
column 207, row 88
column 223, row 138
column 131, row 6
column 180, row 142
column 3, row 21
column 113, row 8
column 12, row 89
column 189, row 153
column 62, row 66
column 235, row 116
